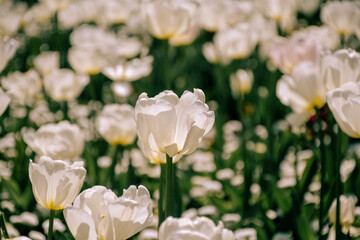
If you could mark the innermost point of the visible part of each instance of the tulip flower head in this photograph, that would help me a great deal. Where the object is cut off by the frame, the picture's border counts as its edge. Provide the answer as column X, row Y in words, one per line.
column 116, row 124
column 347, row 212
column 59, row 141
column 199, row 228
column 97, row 213
column 171, row 125
column 165, row 19
column 340, row 67
column 344, row 103
column 8, row 48
column 56, row 183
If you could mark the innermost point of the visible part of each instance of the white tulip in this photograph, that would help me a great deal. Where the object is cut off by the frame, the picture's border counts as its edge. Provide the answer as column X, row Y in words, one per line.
column 165, row 19
column 344, row 103
column 241, row 81
column 59, row 141
column 56, row 183
column 173, row 126
column 8, row 48
column 339, row 68
column 22, row 86
column 347, row 212
column 200, row 228
column 116, row 124
column 46, row 62
column 294, row 91
column 343, row 16
column 64, row 84
column 98, row 214
column 129, row 70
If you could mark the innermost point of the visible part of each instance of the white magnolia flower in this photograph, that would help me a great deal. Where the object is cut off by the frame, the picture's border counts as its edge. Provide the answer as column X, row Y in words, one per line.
column 116, row 124
column 59, row 141
column 339, row 68
column 97, row 213
column 56, row 183
column 344, row 103
column 8, row 47
column 200, row 228
column 64, row 84
column 173, row 126
column 22, row 86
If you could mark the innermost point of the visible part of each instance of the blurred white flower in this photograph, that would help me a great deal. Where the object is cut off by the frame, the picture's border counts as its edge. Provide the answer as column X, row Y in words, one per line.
column 41, row 114
column 56, row 5
column 342, row 16
column 232, row 12
column 122, row 89
column 78, row 12
column 59, row 141
column 11, row 14
column 165, row 19
column 287, row 53
column 46, row 62
column 241, row 81
column 4, row 101
column 308, row 6
column 64, row 84
column 237, row 42
column 278, row 10
column 340, row 67
column 84, row 61
column 173, row 126
column 116, row 124
column 346, row 168
column 35, row 235
column 245, row 234
column 199, row 228
column 325, row 36
column 27, row 218
column 56, row 183
column 131, row 70
column 37, row 19
column 24, row 87
column 347, row 212
column 344, row 103
column 115, row 11
column 8, row 48
column 202, row 161
column 58, row 225
column 98, row 214
column 193, row 29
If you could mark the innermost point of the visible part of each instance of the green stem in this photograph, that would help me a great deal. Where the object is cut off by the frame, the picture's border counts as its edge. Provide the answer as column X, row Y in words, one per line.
column 51, row 224
column 169, row 171
column 113, row 150
column 167, row 79
column 3, row 226
column 161, row 194
column 337, row 184
column 323, row 171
